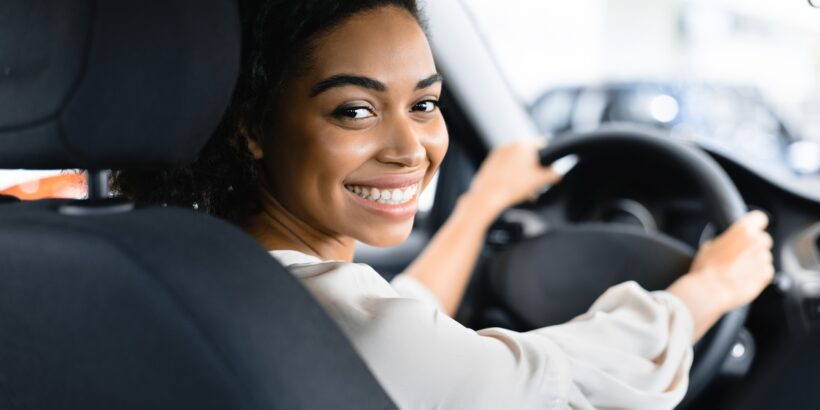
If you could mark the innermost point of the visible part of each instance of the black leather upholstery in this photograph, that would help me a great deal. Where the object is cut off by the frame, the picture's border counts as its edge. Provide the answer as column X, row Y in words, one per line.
column 107, row 307
column 114, row 83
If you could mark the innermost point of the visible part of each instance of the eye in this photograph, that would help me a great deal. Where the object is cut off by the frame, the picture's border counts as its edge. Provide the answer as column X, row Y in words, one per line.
column 426, row 106
column 354, row 113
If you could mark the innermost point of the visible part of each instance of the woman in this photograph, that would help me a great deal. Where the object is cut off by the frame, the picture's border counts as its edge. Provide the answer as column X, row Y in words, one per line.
column 334, row 131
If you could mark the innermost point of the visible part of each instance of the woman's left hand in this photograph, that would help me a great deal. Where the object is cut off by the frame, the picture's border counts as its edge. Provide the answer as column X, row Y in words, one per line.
column 728, row 271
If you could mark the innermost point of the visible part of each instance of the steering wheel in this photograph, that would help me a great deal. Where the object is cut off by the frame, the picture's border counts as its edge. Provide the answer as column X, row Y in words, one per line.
column 584, row 260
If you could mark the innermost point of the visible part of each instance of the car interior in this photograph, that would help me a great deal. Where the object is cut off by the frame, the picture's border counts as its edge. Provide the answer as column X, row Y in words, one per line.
column 98, row 306
column 109, row 304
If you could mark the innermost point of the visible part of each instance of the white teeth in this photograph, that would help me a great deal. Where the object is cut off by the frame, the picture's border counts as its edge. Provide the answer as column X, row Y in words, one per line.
column 386, row 196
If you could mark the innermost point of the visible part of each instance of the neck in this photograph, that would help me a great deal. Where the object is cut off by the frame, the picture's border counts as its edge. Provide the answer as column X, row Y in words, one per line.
column 276, row 228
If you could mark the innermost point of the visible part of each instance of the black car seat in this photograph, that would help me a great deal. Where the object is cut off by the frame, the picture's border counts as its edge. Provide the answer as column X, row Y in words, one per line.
column 107, row 305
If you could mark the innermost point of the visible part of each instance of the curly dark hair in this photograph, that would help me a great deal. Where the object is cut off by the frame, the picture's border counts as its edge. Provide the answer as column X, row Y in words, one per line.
column 276, row 43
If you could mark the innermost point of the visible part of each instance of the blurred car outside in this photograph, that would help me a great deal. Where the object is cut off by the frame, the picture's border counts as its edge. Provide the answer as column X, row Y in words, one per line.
column 735, row 121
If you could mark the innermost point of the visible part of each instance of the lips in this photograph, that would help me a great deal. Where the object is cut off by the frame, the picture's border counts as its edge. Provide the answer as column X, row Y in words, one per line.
column 393, row 197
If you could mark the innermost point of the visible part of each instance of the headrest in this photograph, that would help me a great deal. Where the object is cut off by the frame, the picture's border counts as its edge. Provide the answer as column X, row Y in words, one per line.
column 113, row 84
column 8, row 198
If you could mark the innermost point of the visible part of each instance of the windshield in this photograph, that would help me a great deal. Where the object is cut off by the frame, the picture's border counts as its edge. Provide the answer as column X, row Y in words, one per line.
column 736, row 76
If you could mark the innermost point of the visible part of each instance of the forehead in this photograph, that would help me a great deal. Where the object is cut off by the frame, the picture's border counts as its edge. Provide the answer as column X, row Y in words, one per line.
column 386, row 44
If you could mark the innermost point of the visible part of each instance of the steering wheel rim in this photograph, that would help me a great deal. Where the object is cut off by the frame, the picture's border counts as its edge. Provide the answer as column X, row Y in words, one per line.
column 723, row 202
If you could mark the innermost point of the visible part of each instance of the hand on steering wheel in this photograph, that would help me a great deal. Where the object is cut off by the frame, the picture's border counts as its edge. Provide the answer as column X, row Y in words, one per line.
column 512, row 174
column 586, row 259
column 728, row 271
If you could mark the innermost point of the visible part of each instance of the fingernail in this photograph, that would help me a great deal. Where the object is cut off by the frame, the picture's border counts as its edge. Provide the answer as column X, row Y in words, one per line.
column 759, row 214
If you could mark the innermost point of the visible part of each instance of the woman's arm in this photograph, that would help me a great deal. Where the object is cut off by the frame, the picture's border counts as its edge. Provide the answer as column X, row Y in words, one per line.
column 727, row 272
column 445, row 265
column 509, row 175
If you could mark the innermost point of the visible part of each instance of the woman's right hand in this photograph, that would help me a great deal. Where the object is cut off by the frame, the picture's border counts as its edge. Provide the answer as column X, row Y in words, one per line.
column 728, row 271
column 510, row 174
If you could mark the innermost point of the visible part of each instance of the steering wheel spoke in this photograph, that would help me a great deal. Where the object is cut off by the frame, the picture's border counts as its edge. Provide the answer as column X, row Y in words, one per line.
column 551, row 278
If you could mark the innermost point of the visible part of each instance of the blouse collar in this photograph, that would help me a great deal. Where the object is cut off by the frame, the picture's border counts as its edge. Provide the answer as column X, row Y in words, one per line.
column 288, row 257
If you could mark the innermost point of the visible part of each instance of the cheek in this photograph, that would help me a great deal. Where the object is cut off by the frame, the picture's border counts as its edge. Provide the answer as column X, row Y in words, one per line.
column 436, row 143
column 338, row 153
column 346, row 146
column 308, row 162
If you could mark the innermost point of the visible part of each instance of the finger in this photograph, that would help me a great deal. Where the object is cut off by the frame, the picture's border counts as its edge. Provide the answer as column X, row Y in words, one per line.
column 746, row 228
column 755, row 221
column 765, row 241
column 549, row 176
column 759, row 250
column 769, row 272
column 762, row 255
column 537, row 142
column 563, row 165
column 766, row 273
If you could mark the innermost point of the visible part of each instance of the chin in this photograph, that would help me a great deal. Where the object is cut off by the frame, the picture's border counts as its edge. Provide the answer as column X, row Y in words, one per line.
column 387, row 236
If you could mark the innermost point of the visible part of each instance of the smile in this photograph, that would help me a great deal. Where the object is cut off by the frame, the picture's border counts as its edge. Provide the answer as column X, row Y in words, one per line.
column 389, row 196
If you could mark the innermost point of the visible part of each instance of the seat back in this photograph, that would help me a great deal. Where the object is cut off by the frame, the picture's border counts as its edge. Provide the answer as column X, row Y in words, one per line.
column 109, row 305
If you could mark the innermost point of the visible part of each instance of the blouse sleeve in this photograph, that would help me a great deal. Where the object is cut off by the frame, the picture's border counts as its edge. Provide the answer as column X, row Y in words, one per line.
column 408, row 287
column 632, row 349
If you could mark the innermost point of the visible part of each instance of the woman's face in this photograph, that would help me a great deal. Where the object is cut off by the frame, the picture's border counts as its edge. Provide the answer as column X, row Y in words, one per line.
column 359, row 133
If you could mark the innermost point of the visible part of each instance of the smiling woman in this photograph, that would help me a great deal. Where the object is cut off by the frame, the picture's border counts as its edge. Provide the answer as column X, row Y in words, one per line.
column 333, row 133
column 277, row 40
column 363, row 114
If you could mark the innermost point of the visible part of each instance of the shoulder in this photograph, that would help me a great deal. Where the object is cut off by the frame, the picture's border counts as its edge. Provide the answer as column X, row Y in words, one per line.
column 305, row 266
column 336, row 284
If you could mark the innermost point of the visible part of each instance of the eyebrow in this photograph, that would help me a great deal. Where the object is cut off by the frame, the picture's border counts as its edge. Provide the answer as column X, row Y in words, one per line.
column 341, row 80
column 435, row 78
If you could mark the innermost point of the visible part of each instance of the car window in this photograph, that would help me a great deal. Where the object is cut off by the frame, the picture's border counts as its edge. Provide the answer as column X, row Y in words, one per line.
column 739, row 75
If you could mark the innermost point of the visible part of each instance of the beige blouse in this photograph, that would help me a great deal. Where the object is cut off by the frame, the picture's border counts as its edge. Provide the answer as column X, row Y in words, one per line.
column 631, row 350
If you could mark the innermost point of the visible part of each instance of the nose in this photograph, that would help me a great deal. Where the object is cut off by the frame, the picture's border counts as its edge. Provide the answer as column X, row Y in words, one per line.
column 403, row 144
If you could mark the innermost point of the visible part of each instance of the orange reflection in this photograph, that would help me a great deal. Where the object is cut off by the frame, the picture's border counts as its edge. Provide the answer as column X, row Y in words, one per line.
column 69, row 185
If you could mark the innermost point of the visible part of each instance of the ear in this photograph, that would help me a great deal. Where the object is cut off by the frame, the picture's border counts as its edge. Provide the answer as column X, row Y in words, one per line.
column 254, row 148
column 252, row 143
